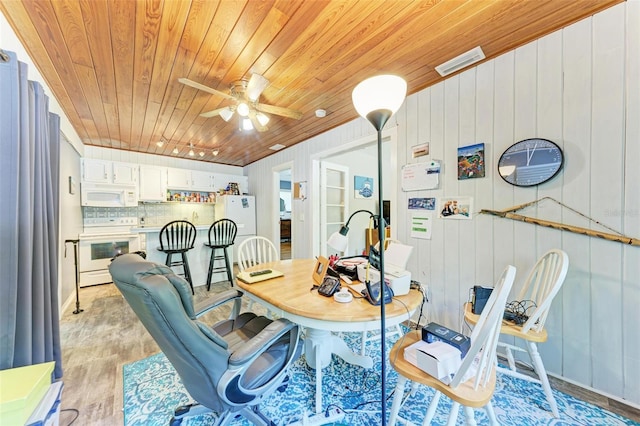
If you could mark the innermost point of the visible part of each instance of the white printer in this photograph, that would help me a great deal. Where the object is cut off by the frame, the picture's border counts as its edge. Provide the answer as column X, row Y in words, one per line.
column 396, row 276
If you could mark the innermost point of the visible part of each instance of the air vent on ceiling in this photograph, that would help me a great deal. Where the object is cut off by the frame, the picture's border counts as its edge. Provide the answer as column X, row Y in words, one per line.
column 276, row 147
column 461, row 61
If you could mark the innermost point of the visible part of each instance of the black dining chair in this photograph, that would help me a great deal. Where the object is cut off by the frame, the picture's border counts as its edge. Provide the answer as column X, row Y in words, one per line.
column 222, row 234
column 178, row 237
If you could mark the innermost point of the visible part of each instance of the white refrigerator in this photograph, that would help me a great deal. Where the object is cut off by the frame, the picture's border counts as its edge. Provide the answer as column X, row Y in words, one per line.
column 242, row 210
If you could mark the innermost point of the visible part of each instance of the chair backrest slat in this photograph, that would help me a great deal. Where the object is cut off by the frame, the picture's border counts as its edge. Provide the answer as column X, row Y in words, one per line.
column 255, row 251
column 541, row 286
column 177, row 235
column 222, row 233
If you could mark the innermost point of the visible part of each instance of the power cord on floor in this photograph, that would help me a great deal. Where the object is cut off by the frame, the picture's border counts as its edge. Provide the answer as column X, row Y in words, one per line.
column 73, row 410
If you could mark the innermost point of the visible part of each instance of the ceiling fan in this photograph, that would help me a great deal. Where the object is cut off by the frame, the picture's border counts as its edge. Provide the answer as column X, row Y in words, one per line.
column 245, row 95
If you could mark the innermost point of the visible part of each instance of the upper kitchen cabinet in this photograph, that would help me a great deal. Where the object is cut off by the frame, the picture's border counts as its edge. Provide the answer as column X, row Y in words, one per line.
column 191, row 180
column 109, row 172
column 223, row 180
column 153, row 183
column 202, row 181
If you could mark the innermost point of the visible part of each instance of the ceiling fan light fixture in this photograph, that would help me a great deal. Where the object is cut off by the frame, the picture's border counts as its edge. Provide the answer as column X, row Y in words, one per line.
column 256, row 85
column 175, row 150
column 246, row 124
column 159, row 144
column 262, row 119
column 226, row 114
column 243, row 109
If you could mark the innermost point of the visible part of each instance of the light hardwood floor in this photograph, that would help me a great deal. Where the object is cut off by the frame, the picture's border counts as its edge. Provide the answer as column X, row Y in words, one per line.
column 98, row 342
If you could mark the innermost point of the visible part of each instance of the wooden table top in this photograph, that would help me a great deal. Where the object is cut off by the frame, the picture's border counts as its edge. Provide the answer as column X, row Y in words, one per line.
column 292, row 293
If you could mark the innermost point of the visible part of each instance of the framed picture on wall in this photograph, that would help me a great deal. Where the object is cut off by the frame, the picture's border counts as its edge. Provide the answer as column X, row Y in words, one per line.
column 362, row 187
column 471, row 162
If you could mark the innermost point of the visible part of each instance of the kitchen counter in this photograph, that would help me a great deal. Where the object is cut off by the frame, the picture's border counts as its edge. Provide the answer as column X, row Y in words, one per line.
column 198, row 256
column 152, row 229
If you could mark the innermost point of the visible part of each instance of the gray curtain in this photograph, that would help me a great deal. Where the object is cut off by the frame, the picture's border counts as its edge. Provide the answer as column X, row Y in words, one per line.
column 29, row 201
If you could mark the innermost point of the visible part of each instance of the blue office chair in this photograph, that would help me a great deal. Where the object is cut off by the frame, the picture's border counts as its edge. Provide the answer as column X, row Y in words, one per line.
column 228, row 367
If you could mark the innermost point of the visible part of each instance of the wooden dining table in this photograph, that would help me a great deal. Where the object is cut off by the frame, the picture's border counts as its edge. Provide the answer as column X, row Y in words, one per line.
column 294, row 297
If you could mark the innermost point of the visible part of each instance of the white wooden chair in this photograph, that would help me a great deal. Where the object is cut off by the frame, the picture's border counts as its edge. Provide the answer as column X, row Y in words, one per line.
column 255, row 251
column 473, row 384
column 541, row 286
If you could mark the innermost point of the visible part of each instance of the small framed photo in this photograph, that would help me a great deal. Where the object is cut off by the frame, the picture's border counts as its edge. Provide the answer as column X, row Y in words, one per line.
column 420, row 150
column 320, row 270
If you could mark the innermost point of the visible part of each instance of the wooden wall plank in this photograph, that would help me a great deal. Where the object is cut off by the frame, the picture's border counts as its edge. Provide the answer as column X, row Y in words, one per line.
column 549, row 125
column 483, row 196
column 631, row 258
column 576, row 111
column 606, row 196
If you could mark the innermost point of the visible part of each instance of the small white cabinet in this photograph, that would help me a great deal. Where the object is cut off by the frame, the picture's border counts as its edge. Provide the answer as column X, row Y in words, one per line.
column 222, row 180
column 201, row 181
column 191, row 180
column 125, row 173
column 110, row 172
column 178, row 178
column 153, row 183
column 97, row 171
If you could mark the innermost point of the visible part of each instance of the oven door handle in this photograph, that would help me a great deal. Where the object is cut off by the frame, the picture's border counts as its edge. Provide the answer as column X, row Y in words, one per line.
column 108, row 237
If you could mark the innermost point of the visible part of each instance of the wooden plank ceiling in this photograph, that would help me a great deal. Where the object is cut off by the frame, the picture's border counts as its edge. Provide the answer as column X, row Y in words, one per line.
column 114, row 65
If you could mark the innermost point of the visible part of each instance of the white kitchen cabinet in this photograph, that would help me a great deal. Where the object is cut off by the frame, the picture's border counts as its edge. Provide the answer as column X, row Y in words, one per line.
column 190, row 180
column 124, row 173
column 201, row 181
column 221, row 180
column 97, row 171
column 153, row 183
column 178, row 178
column 109, row 172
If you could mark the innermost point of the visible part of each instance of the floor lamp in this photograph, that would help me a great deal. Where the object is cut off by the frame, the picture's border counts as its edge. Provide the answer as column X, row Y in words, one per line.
column 377, row 99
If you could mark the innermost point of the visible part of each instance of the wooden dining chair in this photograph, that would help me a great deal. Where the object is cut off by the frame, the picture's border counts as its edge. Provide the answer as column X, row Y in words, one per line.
column 541, row 286
column 473, row 384
column 256, row 250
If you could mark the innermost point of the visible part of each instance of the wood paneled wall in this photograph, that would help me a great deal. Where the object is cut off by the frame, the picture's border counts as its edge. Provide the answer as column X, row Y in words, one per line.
column 578, row 87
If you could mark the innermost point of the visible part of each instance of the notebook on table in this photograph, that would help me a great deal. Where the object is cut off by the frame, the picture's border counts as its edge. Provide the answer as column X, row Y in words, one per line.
column 257, row 276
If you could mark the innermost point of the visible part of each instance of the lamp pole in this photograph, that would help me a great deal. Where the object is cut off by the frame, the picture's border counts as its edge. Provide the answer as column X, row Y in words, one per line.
column 377, row 99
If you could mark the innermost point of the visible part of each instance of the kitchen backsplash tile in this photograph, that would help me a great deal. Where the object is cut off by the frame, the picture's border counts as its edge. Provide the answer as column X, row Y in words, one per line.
column 157, row 214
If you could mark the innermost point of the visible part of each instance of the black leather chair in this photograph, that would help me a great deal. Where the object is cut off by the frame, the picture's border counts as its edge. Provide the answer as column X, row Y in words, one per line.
column 228, row 367
column 222, row 234
column 178, row 237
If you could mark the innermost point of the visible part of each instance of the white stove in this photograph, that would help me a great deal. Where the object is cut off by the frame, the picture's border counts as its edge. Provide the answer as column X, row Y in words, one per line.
column 108, row 225
column 104, row 238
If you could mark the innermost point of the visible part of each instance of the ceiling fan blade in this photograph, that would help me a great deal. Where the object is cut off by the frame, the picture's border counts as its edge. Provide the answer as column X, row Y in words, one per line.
column 256, row 85
column 212, row 113
column 256, row 124
column 285, row 112
column 204, row 88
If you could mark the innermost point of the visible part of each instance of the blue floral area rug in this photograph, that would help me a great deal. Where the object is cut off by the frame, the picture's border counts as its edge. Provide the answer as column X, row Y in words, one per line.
column 152, row 389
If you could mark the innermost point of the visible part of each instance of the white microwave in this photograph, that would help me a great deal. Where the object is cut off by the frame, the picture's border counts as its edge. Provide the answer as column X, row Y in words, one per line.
column 105, row 195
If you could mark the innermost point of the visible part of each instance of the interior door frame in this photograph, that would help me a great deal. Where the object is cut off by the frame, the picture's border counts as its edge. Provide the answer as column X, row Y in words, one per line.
column 388, row 135
column 275, row 204
column 324, row 166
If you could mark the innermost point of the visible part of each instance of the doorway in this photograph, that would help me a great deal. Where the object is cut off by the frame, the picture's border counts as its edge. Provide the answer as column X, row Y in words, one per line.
column 361, row 159
column 283, row 198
